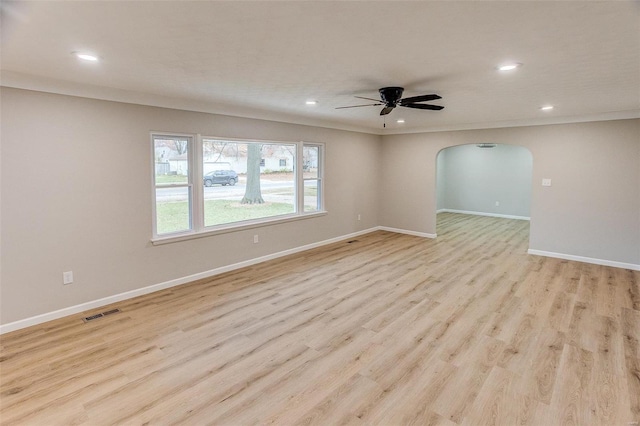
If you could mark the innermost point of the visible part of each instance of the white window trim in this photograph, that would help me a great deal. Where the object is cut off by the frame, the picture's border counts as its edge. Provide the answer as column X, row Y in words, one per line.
column 189, row 185
column 173, row 238
column 319, row 178
column 196, row 192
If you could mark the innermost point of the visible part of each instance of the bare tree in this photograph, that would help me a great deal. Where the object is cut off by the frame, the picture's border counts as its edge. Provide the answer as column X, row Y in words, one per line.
column 181, row 146
column 253, row 194
column 214, row 148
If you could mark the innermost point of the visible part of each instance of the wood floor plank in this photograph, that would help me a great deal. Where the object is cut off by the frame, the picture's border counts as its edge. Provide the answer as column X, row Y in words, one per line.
column 630, row 329
column 461, row 391
column 561, row 311
column 340, row 406
column 386, row 329
column 499, row 403
column 573, row 398
column 539, row 380
column 293, row 396
column 409, row 399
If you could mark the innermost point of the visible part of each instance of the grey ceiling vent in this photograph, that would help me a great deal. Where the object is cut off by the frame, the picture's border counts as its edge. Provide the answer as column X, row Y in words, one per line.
column 486, row 145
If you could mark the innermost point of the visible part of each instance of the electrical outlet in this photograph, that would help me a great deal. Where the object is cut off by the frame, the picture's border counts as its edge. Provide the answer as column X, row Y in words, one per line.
column 67, row 277
column 359, row 217
column 256, row 239
column 497, row 203
column 546, row 182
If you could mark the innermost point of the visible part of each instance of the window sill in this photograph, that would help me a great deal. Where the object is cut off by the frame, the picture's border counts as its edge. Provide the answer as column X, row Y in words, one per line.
column 234, row 228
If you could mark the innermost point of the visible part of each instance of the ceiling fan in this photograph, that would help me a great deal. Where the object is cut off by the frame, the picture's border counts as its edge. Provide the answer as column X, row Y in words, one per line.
column 391, row 97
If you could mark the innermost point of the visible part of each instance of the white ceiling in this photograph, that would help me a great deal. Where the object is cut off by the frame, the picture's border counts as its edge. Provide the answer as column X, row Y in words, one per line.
column 265, row 59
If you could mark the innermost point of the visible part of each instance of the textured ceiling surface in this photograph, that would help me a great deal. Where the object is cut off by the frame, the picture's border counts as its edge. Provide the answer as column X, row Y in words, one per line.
column 265, row 59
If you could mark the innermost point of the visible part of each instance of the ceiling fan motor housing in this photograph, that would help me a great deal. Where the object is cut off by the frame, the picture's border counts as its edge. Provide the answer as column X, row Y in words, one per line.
column 391, row 95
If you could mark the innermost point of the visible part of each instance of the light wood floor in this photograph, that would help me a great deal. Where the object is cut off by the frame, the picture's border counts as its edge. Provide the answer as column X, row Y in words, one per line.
column 388, row 329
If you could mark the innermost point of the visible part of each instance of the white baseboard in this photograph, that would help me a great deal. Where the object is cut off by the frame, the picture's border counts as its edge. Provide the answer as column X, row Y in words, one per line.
column 404, row 231
column 585, row 259
column 71, row 310
column 503, row 216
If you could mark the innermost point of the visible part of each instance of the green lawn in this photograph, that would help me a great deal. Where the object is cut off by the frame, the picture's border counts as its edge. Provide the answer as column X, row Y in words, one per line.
column 174, row 216
column 308, row 190
column 164, row 179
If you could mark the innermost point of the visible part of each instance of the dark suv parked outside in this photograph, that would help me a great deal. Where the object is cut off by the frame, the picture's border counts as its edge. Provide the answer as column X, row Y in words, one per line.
column 221, row 177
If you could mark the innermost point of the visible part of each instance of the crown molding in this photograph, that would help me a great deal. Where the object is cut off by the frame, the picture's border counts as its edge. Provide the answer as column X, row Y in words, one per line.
column 41, row 84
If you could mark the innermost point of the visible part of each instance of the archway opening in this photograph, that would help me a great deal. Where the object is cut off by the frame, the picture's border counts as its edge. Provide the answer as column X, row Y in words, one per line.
column 483, row 179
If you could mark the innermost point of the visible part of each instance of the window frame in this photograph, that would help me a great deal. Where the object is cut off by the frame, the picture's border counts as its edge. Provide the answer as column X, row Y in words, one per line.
column 189, row 185
column 319, row 178
column 196, row 192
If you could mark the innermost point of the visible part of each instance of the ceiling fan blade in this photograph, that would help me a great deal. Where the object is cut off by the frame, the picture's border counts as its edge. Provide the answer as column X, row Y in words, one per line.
column 421, row 98
column 386, row 110
column 424, row 106
column 369, row 99
column 357, row 106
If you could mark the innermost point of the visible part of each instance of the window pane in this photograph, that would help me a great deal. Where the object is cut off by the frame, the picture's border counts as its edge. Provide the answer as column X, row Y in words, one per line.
column 310, row 161
column 245, row 181
column 311, row 195
column 171, row 160
column 172, row 210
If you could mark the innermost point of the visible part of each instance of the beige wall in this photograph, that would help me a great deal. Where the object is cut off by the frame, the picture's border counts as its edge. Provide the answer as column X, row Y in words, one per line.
column 76, row 195
column 591, row 210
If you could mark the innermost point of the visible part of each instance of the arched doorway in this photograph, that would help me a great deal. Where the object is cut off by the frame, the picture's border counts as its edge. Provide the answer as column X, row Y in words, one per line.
column 484, row 179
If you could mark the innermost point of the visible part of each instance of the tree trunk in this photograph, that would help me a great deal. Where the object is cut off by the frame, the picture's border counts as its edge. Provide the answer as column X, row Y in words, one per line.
column 253, row 194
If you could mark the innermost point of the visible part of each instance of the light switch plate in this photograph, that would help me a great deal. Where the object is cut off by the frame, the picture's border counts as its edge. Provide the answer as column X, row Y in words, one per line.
column 546, row 182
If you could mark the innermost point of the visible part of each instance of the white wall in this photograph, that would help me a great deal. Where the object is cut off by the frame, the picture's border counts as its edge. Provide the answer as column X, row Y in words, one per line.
column 76, row 195
column 592, row 209
column 473, row 179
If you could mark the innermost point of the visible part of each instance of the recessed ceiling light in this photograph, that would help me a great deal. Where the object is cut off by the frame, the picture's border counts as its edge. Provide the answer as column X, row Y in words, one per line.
column 86, row 56
column 509, row 67
column 311, row 102
column 546, row 108
column 400, row 121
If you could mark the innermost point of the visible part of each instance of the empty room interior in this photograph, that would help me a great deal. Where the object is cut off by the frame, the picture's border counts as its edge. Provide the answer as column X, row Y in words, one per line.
column 364, row 213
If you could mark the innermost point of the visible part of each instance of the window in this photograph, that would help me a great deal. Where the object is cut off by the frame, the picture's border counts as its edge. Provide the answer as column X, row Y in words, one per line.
column 173, row 185
column 239, row 183
column 255, row 188
column 312, row 177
